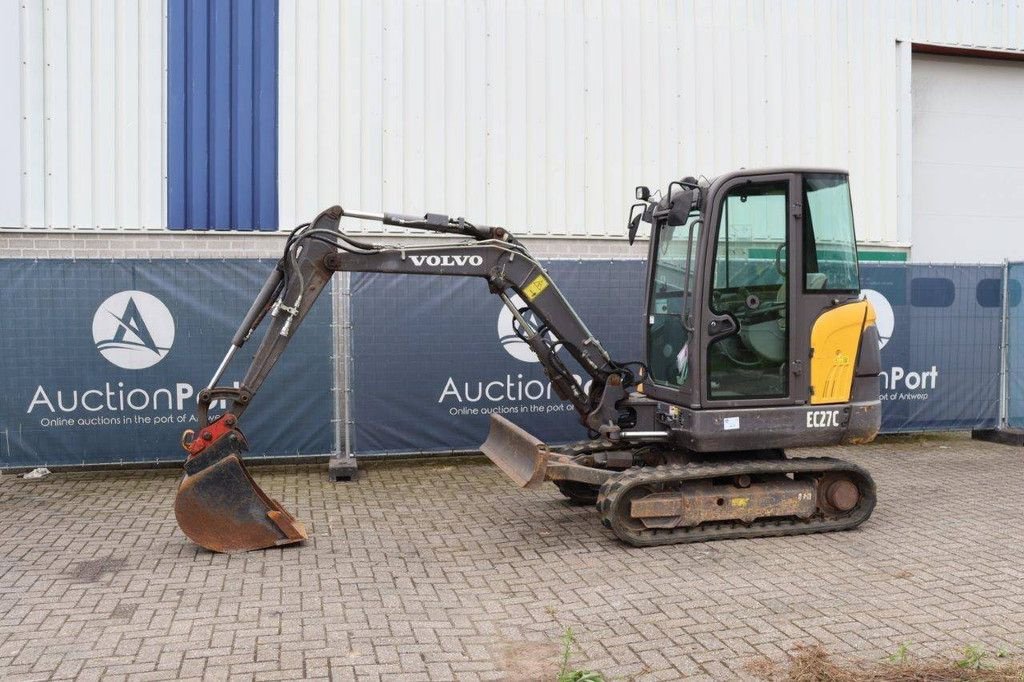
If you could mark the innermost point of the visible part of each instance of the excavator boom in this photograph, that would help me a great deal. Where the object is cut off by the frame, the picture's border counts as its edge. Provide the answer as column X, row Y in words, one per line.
column 220, row 506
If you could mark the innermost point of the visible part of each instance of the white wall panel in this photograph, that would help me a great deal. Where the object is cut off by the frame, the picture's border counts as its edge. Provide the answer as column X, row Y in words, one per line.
column 86, row 79
column 10, row 114
column 542, row 115
column 987, row 24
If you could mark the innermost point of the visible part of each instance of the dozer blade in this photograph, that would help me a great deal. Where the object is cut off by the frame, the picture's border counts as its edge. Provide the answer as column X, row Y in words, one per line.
column 220, row 507
column 522, row 457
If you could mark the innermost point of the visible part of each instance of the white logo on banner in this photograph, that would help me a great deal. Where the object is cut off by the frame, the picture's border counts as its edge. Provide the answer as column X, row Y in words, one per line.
column 133, row 329
column 885, row 322
column 514, row 345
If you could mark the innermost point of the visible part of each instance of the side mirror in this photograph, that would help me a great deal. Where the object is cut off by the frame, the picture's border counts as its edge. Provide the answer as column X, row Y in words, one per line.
column 634, row 220
column 643, row 193
column 680, row 205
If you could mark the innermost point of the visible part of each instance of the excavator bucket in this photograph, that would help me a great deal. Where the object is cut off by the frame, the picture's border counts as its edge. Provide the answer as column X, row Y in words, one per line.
column 220, row 507
column 522, row 457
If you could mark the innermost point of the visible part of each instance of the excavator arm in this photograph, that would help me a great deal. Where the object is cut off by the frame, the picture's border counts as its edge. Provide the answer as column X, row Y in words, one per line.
column 219, row 505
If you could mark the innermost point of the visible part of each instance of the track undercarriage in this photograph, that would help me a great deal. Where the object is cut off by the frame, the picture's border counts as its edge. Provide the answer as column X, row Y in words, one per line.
column 677, row 503
column 650, row 494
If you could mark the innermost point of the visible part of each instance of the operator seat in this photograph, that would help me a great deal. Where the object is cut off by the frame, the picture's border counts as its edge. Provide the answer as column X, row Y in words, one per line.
column 768, row 339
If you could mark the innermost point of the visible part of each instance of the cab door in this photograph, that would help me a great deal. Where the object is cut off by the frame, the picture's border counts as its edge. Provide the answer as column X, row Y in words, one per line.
column 672, row 279
column 832, row 316
column 753, row 349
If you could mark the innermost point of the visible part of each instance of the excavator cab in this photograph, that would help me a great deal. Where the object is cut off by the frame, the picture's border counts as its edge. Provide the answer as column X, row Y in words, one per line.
column 742, row 296
column 756, row 340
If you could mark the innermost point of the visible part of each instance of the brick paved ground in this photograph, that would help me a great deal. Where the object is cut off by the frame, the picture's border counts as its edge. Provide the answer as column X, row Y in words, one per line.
column 440, row 570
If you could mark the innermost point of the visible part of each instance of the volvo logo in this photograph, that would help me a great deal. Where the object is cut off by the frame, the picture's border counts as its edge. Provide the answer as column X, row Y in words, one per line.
column 133, row 329
column 446, row 260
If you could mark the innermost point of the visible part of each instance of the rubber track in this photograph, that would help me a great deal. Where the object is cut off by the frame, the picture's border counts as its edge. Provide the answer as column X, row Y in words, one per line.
column 582, row 447
column 614, row 490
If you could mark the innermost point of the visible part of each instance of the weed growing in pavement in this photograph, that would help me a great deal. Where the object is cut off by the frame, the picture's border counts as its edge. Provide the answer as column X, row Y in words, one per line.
column 900, row 655
column 575, row 674
column 973, row 658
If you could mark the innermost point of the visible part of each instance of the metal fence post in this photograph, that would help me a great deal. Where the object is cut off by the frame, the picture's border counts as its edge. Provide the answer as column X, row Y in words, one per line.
column 342, row 465
column 346, row 393
column 1004, row 352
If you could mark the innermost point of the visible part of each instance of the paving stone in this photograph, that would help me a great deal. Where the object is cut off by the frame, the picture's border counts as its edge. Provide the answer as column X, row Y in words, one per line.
column 441, row 569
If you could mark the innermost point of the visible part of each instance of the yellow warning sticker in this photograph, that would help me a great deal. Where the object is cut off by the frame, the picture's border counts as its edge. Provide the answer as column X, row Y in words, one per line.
column 740, row 501
column 535, row 288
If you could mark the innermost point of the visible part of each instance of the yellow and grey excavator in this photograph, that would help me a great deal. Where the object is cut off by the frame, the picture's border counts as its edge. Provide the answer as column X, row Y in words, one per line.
column 757, row 340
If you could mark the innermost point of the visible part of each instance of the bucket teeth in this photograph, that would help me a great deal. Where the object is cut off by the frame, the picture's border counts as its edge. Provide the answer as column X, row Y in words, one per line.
column 220, row 507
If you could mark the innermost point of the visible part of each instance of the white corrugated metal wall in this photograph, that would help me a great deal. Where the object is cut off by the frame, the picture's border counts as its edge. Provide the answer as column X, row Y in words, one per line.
column 543, row 115
column 540, row 115
column 82, row 121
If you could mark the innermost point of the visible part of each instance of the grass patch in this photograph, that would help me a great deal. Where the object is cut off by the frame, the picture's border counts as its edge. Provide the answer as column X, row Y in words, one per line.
column 814, row 664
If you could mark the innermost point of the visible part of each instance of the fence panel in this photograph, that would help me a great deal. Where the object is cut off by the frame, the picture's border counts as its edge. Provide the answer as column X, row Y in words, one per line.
column 434, row 356
column 940, row 330
column 101, row 361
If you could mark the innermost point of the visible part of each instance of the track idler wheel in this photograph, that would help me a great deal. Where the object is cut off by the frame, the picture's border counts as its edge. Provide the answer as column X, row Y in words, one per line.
column 838, row 494
column 219, row 506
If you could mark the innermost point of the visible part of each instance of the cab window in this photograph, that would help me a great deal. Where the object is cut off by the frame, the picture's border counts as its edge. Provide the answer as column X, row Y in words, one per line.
column 830, row 247
column 749, row 285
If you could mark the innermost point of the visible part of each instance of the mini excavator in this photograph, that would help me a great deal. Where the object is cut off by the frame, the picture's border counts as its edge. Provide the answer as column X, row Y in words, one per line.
column 757, row 339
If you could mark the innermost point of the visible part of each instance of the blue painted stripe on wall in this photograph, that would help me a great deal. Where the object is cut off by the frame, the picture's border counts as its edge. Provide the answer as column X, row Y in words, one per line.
column 222, row 114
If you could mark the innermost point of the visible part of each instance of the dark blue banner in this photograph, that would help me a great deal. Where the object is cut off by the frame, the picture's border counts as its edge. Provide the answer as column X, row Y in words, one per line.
column 940, row 331
column 102, row 360
column 434, row 356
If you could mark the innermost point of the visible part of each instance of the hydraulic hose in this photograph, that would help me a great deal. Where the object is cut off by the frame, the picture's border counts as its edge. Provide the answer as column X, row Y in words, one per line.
column 259, row 306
